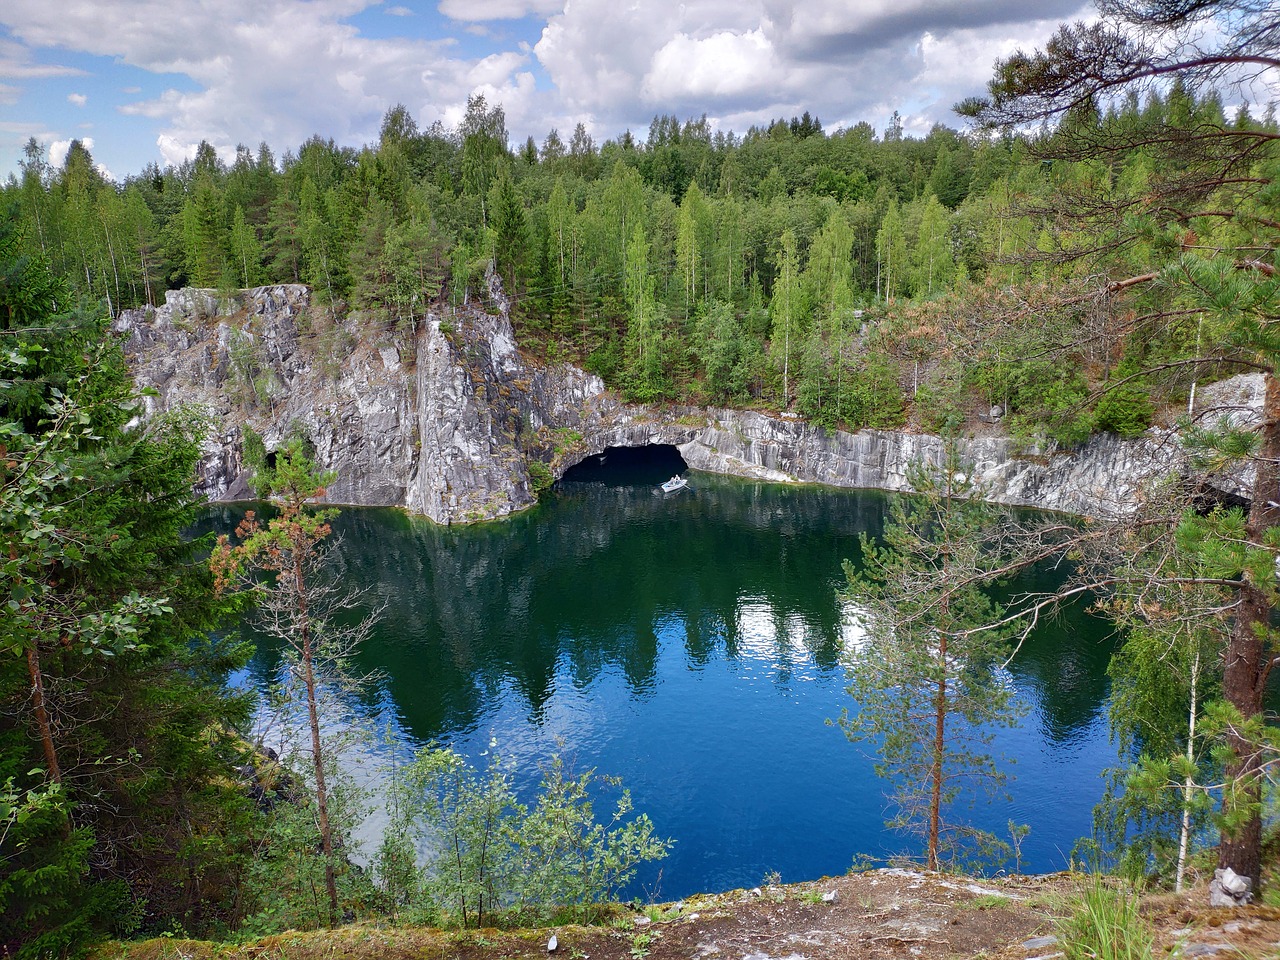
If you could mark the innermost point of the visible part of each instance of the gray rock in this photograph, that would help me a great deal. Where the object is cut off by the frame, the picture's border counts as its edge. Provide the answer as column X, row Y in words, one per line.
column 1039, row 943
column 1205, row 949
column 1229, row 889
column 552, row 944
column 447, row 420
column 831, row 896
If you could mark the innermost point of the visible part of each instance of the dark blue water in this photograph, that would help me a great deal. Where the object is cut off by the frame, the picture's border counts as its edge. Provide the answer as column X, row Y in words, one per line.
column 691, row 644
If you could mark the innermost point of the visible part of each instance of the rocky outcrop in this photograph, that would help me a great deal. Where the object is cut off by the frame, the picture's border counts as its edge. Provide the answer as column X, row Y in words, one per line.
column 452, row 421
column 266, row 359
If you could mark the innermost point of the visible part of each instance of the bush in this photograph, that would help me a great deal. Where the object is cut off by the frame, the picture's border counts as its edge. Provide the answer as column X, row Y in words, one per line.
column 540, row 477
column 1125, row 410
column 488, row 854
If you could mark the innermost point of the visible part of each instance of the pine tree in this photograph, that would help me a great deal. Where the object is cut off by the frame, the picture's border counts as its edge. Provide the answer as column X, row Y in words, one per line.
column 925, row 674
column 1208, row 179
column 301, row 607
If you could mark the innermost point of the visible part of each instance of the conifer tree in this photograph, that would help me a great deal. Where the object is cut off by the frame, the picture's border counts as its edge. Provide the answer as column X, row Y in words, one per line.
column 111, row 706
column 925, row 674
column 1208, row 180
column 301, row 607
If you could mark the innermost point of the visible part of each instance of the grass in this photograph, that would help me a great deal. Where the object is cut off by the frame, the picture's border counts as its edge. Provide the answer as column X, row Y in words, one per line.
column 1106, row 924
column 640, row 945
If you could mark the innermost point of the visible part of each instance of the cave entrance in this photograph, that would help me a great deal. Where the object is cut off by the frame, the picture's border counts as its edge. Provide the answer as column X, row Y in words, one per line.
column 628, row 466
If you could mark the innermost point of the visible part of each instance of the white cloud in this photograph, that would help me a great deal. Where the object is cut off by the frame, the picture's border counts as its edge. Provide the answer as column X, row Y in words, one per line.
column 745, row 63
column 16, row 63
column 724, row 64
column 273, row 70
column 58, row 149
column 282, row 70
column 77, row 99
column 498, row 9
column 173, row 151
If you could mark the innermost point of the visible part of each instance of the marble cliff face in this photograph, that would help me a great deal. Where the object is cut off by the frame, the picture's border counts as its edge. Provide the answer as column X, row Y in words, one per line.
column 451, row 421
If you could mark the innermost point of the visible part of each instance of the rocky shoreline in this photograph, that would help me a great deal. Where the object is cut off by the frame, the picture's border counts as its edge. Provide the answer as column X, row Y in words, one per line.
column 450, row 420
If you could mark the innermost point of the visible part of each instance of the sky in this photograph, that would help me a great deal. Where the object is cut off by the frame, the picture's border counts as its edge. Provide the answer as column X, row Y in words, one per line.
column 142, row 81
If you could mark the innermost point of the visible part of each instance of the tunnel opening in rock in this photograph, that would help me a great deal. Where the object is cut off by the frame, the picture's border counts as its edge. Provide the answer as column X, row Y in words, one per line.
column 625, row 466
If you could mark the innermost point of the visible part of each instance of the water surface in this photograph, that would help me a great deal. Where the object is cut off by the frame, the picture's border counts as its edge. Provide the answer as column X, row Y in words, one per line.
column 691, row 644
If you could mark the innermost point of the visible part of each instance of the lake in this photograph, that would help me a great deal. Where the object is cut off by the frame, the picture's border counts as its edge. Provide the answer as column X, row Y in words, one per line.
column 691, row 644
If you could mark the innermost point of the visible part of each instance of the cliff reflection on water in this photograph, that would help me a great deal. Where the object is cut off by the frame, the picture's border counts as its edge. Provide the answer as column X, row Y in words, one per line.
column 691, row 644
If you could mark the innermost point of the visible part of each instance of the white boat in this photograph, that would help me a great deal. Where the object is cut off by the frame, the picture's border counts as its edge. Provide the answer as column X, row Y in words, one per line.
column 674, row 484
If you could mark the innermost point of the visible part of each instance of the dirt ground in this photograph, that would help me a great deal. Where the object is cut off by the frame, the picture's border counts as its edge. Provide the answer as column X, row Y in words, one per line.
column 868, row 916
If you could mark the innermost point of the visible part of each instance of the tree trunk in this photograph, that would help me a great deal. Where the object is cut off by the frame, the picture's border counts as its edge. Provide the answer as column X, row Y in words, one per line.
column 317, row 755
column 41, row 710
column 939, row 730
column 1245, row 664
column 1184, row 836
column 939, row 743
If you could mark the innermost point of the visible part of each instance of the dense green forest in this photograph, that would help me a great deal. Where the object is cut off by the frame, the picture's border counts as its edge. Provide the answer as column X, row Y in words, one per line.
column 1100, row 242
column 794, row 268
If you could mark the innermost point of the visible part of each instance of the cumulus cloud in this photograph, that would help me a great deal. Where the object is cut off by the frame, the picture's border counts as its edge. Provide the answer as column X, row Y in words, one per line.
column 58, row 149
column 282, row 70
column 746, row 63
column 77, row 99
column 723, row 64
column 274, row 70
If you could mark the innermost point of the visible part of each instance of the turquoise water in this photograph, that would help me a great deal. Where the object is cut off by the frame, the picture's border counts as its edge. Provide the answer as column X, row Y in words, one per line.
column 690, row 644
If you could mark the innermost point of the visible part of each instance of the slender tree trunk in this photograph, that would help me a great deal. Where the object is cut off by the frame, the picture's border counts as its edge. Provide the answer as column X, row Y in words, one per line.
column 317, row 755
column 939, row 745
column 1246, row 664
column 40, row 708
column 1189, row 783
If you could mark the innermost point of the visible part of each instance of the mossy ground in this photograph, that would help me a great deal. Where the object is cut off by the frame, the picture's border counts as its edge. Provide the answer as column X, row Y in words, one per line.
column 877, row 914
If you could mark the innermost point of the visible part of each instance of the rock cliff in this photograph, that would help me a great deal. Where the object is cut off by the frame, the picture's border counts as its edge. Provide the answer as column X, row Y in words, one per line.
column 451, row 421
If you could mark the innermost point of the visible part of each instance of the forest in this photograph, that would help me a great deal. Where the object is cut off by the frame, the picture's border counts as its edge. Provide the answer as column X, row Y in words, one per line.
column 791, row 268
column 1098, row 242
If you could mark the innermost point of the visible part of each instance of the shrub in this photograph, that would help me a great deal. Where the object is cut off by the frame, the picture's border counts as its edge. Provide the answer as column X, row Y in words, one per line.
column 489, row 854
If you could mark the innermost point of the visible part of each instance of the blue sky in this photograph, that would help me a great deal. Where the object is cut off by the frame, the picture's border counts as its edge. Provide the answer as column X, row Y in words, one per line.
column 145, row 81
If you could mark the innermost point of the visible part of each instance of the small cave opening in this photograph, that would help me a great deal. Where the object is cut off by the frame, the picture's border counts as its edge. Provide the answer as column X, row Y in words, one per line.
column 625, row 466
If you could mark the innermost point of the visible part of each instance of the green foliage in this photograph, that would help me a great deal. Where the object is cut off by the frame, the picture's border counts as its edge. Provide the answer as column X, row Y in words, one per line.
column 1166, row 678
column 1125, row 407
column 253, row 451
column 1106, row 924
column 46, row 906
column 491, row 856
column 925, row 673
column 112, row 708
column 302, row 607
column 284, row 883
column 1042, row 397
column 540, row 477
